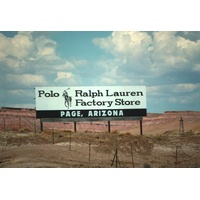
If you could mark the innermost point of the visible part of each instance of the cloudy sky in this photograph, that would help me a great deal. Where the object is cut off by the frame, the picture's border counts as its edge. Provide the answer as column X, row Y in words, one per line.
column 167, row 63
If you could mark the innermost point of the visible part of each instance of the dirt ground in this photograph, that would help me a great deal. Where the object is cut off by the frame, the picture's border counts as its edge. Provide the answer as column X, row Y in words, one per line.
column 66, row 149
column 23, row 145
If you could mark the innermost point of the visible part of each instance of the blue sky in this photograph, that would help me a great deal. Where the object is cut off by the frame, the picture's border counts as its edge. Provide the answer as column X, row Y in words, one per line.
column 167, row 63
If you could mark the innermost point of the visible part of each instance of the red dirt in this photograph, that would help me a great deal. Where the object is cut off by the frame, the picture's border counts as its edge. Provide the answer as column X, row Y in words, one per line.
column 20, row 146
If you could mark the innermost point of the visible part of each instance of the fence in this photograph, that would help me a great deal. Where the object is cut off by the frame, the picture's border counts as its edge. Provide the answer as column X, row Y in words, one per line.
column 30, row 123
column 19, row 123
column 93, row 154
column 100, row 154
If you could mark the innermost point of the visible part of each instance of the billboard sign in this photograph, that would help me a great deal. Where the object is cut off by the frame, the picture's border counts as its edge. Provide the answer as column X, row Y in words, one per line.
column 90, row 101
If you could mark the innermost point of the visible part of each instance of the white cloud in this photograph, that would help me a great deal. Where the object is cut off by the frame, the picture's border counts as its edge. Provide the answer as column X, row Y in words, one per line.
column 66, row 65
column 153, row 88
column 196, row 68
column 131, row 50
column 28, row 60
column 173, row 99
column 155, row 55
column 46, row 51
column 184, row 99
column 19, row 51
column 79, row 62
column 173, row 88
column 124, row 43
column 173, row 52
column 64, row 75
column 20, row 92
column 22, row 105
column 13, row 50
column 107, row 81
column 21, row 45
column 26, row 79
column 185, row 87
column 66, row 78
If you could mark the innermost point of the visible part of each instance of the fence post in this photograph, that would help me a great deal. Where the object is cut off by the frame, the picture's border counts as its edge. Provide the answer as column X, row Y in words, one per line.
column 53, row 136
column 89, row 149
column 4, row 123
column 176, row 162
column 132, row 156
column 35, row 127
column 116, row 158
column 41, row 125
column 19, row 122
column 181, row 128
column 70, row 140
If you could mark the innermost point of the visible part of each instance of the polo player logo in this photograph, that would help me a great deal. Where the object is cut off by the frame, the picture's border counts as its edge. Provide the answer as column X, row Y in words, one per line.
column 68, row 99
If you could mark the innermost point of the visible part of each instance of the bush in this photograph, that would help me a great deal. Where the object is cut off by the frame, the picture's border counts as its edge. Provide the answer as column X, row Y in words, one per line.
column 147, row 165
column 158, row 137
column 68, row 131
column 115, row 132
column 24, row 130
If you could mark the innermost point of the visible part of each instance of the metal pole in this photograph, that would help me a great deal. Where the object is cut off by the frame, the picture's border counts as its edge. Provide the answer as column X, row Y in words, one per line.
column 53, row 136
column 4, row 123
column 41, row 125
column 141, row 127
column 181, row 128
column 74, row 126
column 108, row 126
column 19, row 122
column 176, row 162
column 89, row 149
column 113, row 159
column 116, row 157
column 35, row 127
column 132, row 156
column 70, row 140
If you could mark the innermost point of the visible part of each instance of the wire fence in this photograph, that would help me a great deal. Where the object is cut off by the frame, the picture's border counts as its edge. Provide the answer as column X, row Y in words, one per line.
column 19, row 123
column 93, row 154
column 30, row 123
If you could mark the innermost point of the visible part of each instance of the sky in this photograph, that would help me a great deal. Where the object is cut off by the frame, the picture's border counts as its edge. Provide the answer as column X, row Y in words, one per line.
column 167, row 63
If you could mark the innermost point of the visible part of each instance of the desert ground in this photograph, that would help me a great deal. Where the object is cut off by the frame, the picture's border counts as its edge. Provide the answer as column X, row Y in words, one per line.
column 162, row 145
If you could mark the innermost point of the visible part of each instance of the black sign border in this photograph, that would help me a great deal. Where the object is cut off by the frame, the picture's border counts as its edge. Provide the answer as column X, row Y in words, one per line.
column 56, row 113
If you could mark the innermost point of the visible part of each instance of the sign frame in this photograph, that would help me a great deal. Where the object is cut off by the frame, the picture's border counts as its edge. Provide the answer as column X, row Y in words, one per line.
column 89, row 103
column 48, row 117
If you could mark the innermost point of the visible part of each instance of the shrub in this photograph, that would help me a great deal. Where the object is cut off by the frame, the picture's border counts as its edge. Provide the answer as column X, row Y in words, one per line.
column 67, row 131
column 24, row 130
column 147, row 165
column 158, row 137
column 101, row 141
column 115, row 131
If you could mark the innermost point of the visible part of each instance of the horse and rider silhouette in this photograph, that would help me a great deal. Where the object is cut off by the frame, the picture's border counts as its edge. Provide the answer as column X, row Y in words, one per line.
column 68, row 99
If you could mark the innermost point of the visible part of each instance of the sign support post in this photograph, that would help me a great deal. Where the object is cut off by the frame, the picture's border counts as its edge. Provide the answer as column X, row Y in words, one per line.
column 141, row 127
column 41, row 125
column 108, row 126
column 74, row 126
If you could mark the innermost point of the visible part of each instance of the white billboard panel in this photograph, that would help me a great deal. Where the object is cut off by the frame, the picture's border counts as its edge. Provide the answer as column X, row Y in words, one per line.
column 90, row 101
